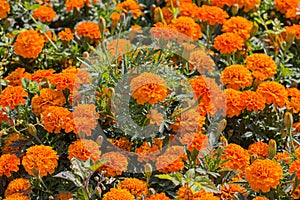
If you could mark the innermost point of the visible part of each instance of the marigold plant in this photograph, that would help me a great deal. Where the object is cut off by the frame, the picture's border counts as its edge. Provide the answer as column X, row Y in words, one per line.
column 116, row 164
column 259, row 149
column 88, row 29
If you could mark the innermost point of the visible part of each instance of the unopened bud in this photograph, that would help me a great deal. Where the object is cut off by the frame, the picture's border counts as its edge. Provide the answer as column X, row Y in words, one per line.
column 158, row 15
column 272, row 148
column 235, row 9
column 111, row 92
column 284, row 134
column 31, row 129
column 254, row 30
column 224, row 141
column 222, row 125
column 99, row 140
column 288, row 120
column 148, row 170
column 102, row 25
column 290, row 37
column 122, row 17
column 85, row 54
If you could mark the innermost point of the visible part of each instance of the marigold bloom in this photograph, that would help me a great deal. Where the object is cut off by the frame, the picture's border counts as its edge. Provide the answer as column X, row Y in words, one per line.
column 168, row 15
column 234, row 102
column 263, row 175
column 187, row 9
column 136, row 187
column 148, row 88
column 248, row 4
column 259, row 148
column 171, row 160
column 122, row 143
column 13, row 97
column 13, row 143
column 148, row 152
column 273, row 92
column 66, row 35
column 29, row 44
column 164, row 31
column 212, row 14
column 130, row 6
column 19, row 185
column 295, row 167
column 16, row 196
column 253, row 100
column 40, row 158
column 44, row 14
column 222, row 3
column 238, row 157
column 184, row 191
column 294, row 30
column 285, row 156
column 15, row 77
column 236, row 77
column 238, row 25
column 283, row 5
column 74, row 4
column 201, row 61
column 158, row 196
column 3, row 116
column 203, row 195
column 9, row 163
column 42, row 75
column 292, row 14
column 64, row 196
column 228, row 192
column 198, row 141
column 84, row 149
column 88, row 29
column 155, row 117
column 118, row 194
column 261, row 65
column 116, row 164
column 188, row 27
column 228, row 43
column 260, row 198
column 293, row 103
column 4, row 9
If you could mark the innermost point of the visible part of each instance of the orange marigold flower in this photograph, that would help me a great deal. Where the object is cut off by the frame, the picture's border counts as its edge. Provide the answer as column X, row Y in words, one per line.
column 228, row 192
column 16, row 196
column 48, row 97
column 40, row 159
column 188, row 27
column 19, row 185
column 84, row 149
column 273, row 92
column 293, row 103
column 234, row 102
column 228, row 43
column 261, row 65
column 253, row 100
column 263, row 175
column 294, row 29
column 201, row 61
column 115, row 194
column 44, row 14
column 238, row 25
column 148, row 88
column 295, row 167
column 168, row 15
column 88, row 29
column 238, row 157
column 212, row 14
column 203, row 195
column 13, row 143
column 135, row 186
column 41, row 75
column 3, row 116
column 259, row 148
column 283, row 5
column 15, row 77
column 9, row 163
column 236, row 77
column 63, row 81
column 184, row 192
column 164, row 31
column 66, row 35
column 155, row 117
column 29, row 44
column 64, row 196
column 187, row 9
column 4, row 9
column 292, row 14
column 74, row 4
column 116, row 164
column 198, row 141
column 130, row 6
column 248, row 4
column 222, row 3
column 158, row 196
column 260, row 198
column 285, row 156
column 146, row 152
column 13, row 97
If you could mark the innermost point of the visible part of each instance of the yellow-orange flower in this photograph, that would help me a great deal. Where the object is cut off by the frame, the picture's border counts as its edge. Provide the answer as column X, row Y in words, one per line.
column 116, row 164
column 88, row 29
column 188, row 27
column 228, row 43
column 64, row 196
column 203, row 195
column 135, row 186
column 130, row 6
column 187, row 9
column 201, row 61
column 197, row 140
column 168, row 15
column 294, row 30
column 283, row 5
column 253, row 100
column 42, row 75
column 234, row 102
column 263, row 175
column 222, row 3
column 4, row 9
column 44, row 14
column 158, row 196
column 9, row 163
column 13, row 143
column 228, row 192
column 238, row 25
column 29, row 44
column 261, row 65
column 66, row 35
column 164, row 31
column 16, row 196
column 238, row 158
column 148, row 88
column 273, row 92
column 295, row 167
column 74, row 4
column 13, row 97
column 19, row 185
column 236, row 77
column 115, row 194
column 285, row 156
column 84, row 149
column 293, row 103
column 259, row 148
column 155, row 117
column 292, row 14
column 40, row 159
column 211, row 14
column 15, row 77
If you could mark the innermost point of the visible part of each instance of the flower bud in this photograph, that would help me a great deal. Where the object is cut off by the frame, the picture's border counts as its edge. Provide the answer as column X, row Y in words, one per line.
column 222, row 125
column 102, row 25
column 290, row 37
column 85, row 54
column 235, row 9
column 148, row 169
column 31, row 129
column 99, row 140
column 272, row 149
column 122, row 18
column 288, row 120
column 111, row 92
column 254, row 30
column 158, row 15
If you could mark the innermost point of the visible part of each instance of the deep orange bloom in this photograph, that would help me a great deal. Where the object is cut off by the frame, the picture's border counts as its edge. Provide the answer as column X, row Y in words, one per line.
column 261, row 65
column 203, row 195
column 122, row 143
column 187, row 9
column 19, row 185
column 9, row 163
column 211, row 14
column 188, row 27
column 164, row 31
column 41, row 159
column 13, row 97
column 228, row 192
column 74, row 4
column 293, row 103
column 29, row 44
column 136, row 187
column 158, row 196
column 66, row 35
column 148, row 153
column 10, row 141
column 295, row 167
column 4, row 9
column 238, row 157
column 64, row 196
column 247, row 5
column 44, row 14
column 42, row 75
column 148, row 88
column 259, row 148
column 202, row 61
column 198, row 141
column 283, row 5
column 88, row 29
column 285, row 156
column 16, row 196
column 48, row 97
column 15, row 77
column 234, row 102
column 292, row 14
column 253, row 100
column 63, row 81
column 3, row 116
column 116, row 164
column 238, row 25
column 263, row 175
column 84, row 149
column 115, row 194
column 228, row 43
column 260, row 198
column 184, row 192
column 130, row 6
column 294, row 29
column 168, row 15
column 222, row 3
column 236, row 77
column 273, row 92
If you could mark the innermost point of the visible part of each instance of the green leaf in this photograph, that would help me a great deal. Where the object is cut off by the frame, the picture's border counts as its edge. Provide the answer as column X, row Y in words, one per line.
column 98, row 164
column 286, row 72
